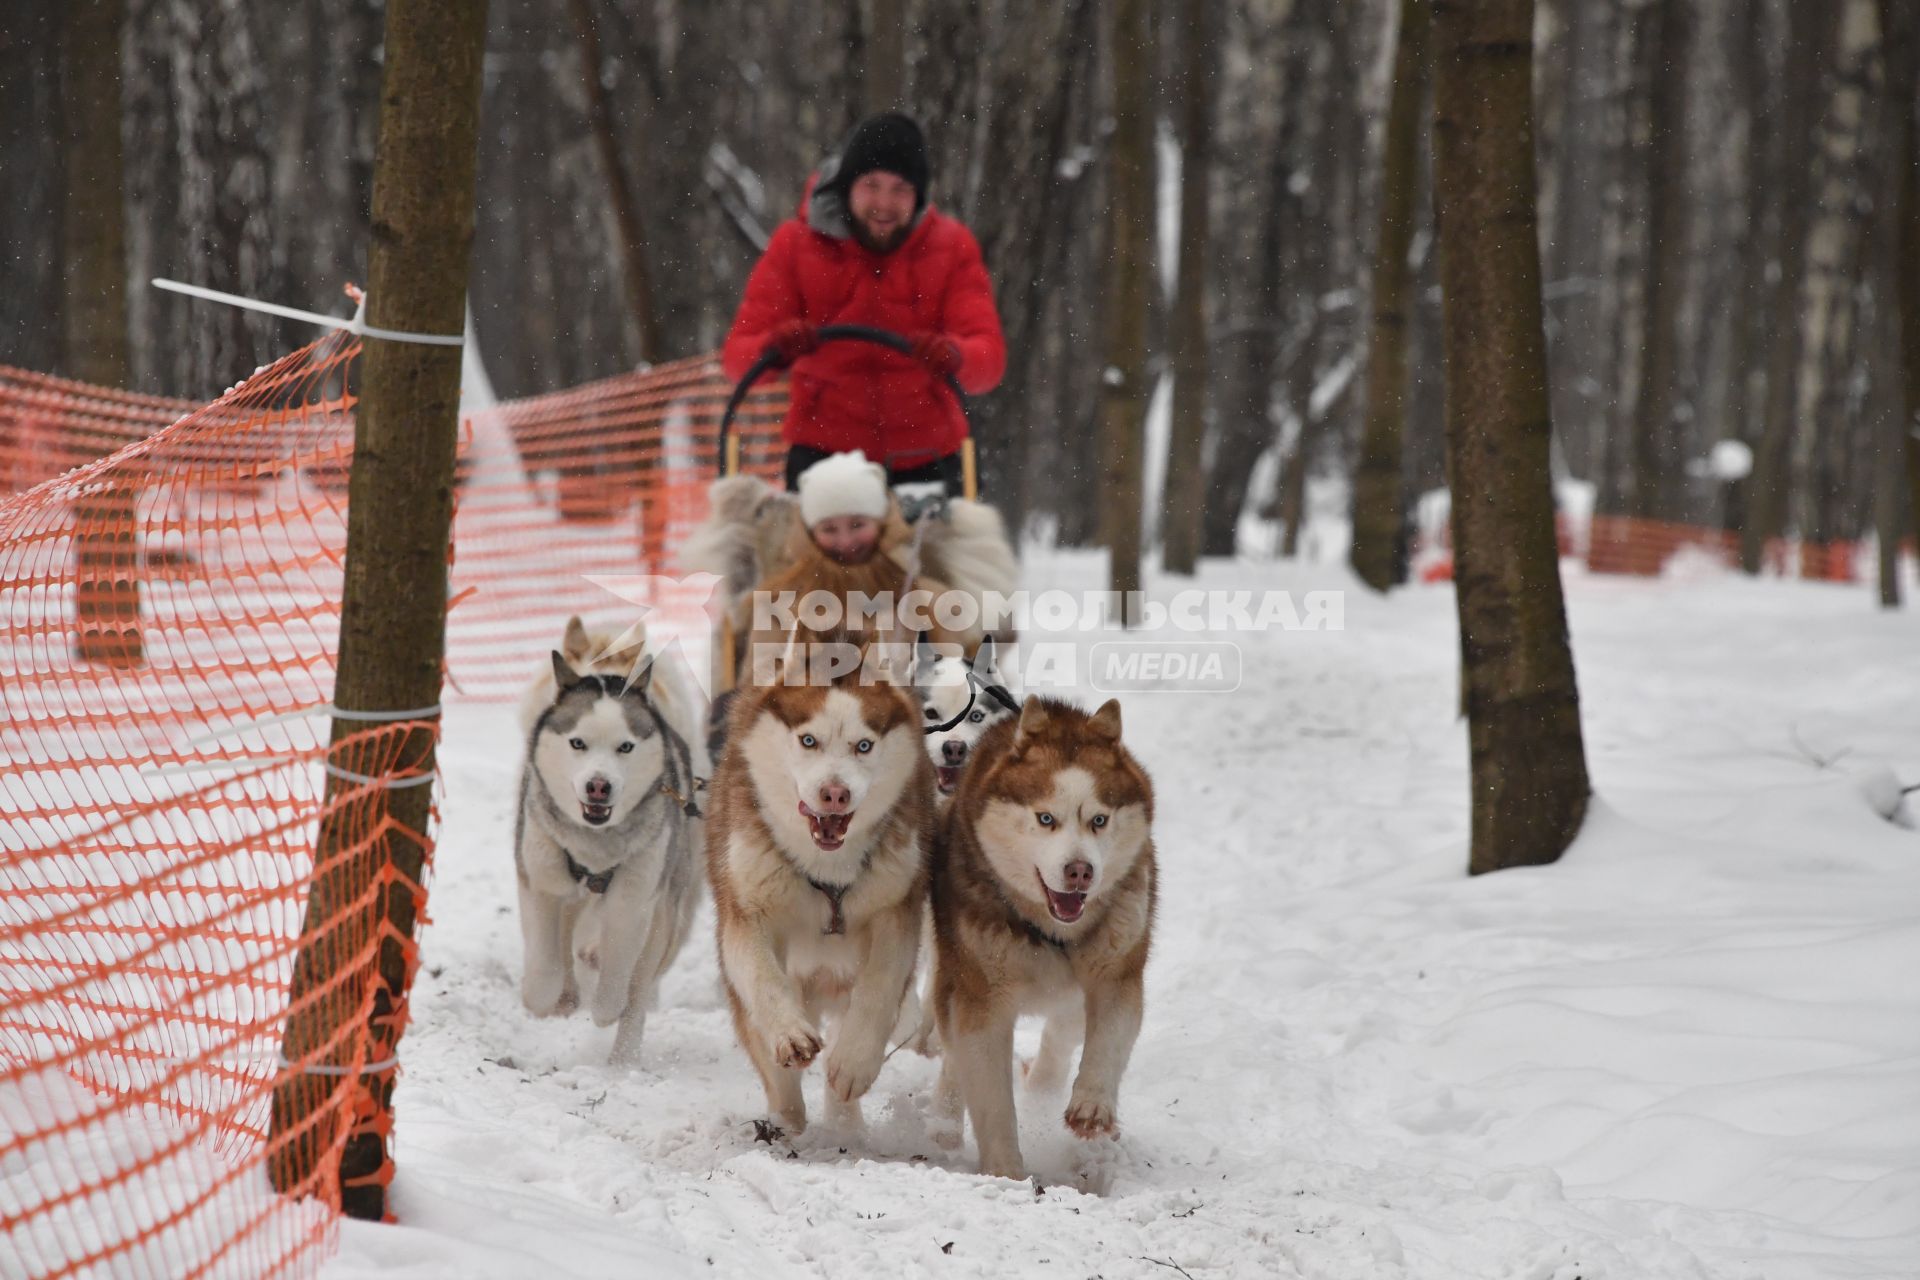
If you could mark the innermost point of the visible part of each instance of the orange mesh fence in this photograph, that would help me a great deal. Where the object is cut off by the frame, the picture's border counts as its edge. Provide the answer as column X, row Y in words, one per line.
column 196, row 1004
column 1648, row 548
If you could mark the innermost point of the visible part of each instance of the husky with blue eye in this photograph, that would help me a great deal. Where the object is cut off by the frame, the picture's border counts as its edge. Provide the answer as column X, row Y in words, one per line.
column 961, row 698
column 607, row 848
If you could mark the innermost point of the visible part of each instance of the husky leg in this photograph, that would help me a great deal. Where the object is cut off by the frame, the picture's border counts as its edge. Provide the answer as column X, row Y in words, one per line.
column 980, row 1049
column 1113, row 1023
column 626, row 928
column 1064, row 1030
column 948, row 1125
column 782, row 1084
column 885, row 974
column 547, row 980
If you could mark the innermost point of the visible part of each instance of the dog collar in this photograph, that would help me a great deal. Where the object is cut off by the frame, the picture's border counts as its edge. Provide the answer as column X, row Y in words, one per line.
column 596, row 881
column 833, row 894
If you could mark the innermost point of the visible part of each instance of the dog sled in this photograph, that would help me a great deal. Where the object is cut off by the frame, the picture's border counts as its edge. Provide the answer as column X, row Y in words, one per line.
column 753, row 533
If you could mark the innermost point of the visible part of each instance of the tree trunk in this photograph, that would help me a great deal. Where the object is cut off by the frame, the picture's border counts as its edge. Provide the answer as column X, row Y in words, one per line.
column 1529, row 771
column 1658, row 439
column 1130, row 214
column 105, row 550
column 1377, row 483
column 1181, row 509
column 393, row 609
column 884, row 70
column 626, row 205
column 1901, row 31
column 1810, row 31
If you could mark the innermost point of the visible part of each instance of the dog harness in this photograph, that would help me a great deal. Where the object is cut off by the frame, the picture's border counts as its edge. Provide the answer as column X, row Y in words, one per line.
column 833, row 893
column 596, row 881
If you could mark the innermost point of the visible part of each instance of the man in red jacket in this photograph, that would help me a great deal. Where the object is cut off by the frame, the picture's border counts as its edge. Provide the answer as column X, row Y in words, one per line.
column 866, row 248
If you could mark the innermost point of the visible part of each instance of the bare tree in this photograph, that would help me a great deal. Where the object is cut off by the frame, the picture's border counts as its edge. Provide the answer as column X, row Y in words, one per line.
column 394, row 604
column 884, row 66
column 1902, row 34
column 1377, row 483
column 630, row 233
column 1658, row 435
column 1180, row 521
column 1123, row 401
column 1529, row 772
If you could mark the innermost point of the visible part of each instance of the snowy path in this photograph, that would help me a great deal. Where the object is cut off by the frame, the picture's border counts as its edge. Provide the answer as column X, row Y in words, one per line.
column 1692, row 1049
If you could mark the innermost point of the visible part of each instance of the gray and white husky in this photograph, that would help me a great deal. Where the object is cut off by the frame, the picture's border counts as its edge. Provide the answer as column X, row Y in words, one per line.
column 608, row 849
column 961, row 698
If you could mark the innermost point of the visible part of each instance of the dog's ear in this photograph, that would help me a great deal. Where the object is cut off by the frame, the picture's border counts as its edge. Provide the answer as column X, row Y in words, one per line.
column 1106, row 721
column 1033, row 720
column 564, row 676
column 924, row 656
column 576, row 644
column 636, row 686
column 986, row 662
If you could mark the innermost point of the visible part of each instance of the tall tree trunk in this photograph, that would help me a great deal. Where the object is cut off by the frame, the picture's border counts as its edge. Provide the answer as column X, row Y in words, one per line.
column 394, row 606
column 1833, row 259
column 1529, row 771
column 1901, row 28
column 1181, row 509
column 1810, row 33
column 1658, row 452
column 884, row 68
column 30, row 150
column 1130, row 215
column 1377, row 483
column 106, row 554
column 629, row 231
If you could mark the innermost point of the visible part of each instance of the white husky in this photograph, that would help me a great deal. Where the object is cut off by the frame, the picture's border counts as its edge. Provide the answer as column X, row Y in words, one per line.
column 607, row 849
column 961, row 699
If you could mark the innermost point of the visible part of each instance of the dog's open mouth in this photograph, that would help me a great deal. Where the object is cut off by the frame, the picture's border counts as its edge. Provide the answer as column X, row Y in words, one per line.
column 948, row 776
column 1065, row 907
column 829, row 829
column 596, row 814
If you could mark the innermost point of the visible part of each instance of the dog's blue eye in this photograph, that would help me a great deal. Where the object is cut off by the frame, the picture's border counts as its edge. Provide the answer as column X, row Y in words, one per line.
column 1099, row 821
column 863, row 746
column 808, row 741
column 1046, row 819
column 625, row 747
column 977, row 717
column 578, row 744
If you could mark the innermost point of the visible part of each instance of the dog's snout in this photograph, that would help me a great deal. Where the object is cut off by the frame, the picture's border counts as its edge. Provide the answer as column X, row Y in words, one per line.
column 954, row 752
column 599, row 791
column 1079, row 877
column 835, row 797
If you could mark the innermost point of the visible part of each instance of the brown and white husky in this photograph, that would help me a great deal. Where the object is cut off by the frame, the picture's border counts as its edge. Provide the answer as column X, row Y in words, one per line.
column 1043, row 897
column 821, row 817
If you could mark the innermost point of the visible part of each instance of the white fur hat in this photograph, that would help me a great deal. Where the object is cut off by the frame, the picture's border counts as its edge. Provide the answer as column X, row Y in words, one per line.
column 843, row 484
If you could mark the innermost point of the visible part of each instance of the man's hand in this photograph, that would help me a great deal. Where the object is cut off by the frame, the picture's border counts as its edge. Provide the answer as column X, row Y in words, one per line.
column 791, row 339
column 938, row 352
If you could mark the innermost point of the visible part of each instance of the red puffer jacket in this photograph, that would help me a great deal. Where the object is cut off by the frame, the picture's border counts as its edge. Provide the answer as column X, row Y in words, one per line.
column 858, row 395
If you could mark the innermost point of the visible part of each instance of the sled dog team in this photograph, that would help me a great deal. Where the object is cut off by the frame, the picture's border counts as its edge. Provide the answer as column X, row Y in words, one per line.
column 845, row 821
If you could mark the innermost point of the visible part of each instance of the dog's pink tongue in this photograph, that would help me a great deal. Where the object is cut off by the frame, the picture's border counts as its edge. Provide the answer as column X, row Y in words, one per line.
column 949, row 776
column 1066, row 907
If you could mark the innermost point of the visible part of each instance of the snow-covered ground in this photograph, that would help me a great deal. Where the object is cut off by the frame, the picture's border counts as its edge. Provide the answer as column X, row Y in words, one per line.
column 1691, row 1049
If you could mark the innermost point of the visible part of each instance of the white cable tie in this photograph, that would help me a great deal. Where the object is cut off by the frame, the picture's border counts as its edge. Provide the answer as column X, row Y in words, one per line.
column 317, row 709
column 367, row 779
column 356, row 325
column 323, row 1069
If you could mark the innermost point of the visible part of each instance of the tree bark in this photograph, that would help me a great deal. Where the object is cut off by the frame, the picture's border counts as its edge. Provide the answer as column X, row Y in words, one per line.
column 884, row 71
column 1901, row 30
column 1181, row 510
column 393, row 609
column 1658, row 440
column 1529, row 772
column 1377, row 482
column 1130, row 214
column 631, row 233
column 105, row 546
column 1810, row 32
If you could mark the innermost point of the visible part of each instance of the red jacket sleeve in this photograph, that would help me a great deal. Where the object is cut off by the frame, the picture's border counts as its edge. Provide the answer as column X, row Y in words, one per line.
column 772, row 295
column 972, row 321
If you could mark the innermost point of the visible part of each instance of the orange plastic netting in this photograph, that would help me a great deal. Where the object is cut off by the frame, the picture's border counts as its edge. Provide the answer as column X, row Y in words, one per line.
column 169, row 617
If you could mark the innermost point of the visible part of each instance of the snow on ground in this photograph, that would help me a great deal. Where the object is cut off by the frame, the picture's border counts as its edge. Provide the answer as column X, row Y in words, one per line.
column 1691, row 1049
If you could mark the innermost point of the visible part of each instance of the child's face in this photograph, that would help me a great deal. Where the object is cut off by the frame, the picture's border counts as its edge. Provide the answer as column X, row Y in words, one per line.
column 848, row 539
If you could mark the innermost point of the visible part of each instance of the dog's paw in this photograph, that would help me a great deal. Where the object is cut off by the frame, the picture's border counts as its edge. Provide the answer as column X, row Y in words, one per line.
column 1091, row 1117
column 1004, row 1165
column 546, row 995
column 609, row 1005
column 797, row 1047
column 852, row 1069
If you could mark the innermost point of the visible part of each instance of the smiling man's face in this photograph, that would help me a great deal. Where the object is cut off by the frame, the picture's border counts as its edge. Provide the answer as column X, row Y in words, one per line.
column 882, row 206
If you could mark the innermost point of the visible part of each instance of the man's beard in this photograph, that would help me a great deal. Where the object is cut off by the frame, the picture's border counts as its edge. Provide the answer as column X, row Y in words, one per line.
column 873, row 244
